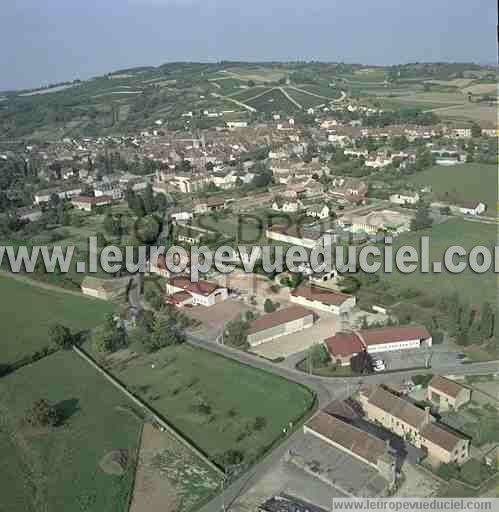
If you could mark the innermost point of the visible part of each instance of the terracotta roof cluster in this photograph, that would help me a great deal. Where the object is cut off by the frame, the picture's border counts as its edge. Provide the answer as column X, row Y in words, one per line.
column 417, row 418
column 277, row 318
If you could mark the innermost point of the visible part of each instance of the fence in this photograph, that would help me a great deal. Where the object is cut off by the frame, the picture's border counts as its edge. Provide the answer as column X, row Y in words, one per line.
column 153, row 414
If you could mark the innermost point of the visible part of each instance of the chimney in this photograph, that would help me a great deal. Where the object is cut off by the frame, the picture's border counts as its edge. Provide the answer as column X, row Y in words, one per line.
column 427, row 418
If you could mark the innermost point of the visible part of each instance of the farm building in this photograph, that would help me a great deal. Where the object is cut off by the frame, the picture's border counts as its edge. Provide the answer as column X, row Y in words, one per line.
column 403, row 199
column 377, row 221
column 279, row 323
column 325, row 300
column 89, row 203
column 469, row 208
column 202, row 292
column 418, row 426
column 356, row 442
column 179, row 214
column 448, row 394
column 343, row 346
column 387, row 339
column 105, row 289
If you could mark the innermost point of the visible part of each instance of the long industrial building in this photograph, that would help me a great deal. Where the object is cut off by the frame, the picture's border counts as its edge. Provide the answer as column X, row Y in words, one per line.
column 279, row 323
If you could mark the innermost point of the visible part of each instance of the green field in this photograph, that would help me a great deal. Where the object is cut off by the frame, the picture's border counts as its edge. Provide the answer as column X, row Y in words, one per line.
column 247, row 94
column 57, row 469
column 27, row 312
column 214, row 401
column 474, row 288
column 273, row 101
column 306, row 100
column 467, row 182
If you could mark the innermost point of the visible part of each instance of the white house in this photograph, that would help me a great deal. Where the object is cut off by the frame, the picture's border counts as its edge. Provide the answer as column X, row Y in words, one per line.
column 109, row 188
column 461, row 133
column 318, row 212
column 286, row 206
column 237, row 124
column 180, row 214
column 43, row 196
column 469, row 208
column 404, row 198
column 203, row 293
column 86, row 203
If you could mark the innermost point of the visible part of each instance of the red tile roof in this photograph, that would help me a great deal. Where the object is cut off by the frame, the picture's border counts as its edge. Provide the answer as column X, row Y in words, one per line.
column 179, row 298
column 446, row 386
column 344, row 345
column 441, row 436
column 393, row 334
column 277, row 318
column 321, row 295
column 200, row 288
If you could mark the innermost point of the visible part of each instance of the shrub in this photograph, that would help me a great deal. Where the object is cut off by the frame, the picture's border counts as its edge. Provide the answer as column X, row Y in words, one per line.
column 268, row 306
column 422, row 380
column 42, row 414
column 448, row 471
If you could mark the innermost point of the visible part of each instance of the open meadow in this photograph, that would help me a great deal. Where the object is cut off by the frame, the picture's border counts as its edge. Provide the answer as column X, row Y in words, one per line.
column 66, row 468
column 27, row 311
column 216, row 403
column 473, row 288
column 466, row 182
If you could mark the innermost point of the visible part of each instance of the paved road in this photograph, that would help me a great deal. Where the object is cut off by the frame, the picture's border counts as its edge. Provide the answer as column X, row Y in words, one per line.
column 325, row 388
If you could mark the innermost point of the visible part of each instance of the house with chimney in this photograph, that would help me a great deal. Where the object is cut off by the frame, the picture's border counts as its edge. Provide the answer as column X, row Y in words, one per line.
column 417, row 426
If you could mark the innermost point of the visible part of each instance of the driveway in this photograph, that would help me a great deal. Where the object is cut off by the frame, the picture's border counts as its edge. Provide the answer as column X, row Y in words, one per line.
column 327, row 325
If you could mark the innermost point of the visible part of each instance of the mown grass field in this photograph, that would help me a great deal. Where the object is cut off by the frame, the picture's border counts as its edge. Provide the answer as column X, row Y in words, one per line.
column 215, row 402
column 467, row 182
column 58, row 469
column 474, row 288
column 27, row 312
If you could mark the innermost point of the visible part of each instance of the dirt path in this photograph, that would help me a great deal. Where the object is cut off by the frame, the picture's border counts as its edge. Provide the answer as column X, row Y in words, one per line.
column 240, row 103
column 304, row 91
column 290, row 98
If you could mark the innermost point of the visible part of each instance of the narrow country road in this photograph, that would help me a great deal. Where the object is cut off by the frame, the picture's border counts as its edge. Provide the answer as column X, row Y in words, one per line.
column 326, row 389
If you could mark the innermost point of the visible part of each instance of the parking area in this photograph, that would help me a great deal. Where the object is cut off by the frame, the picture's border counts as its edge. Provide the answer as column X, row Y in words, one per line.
column 417, row 358
column 213, row 318
column 326, row 325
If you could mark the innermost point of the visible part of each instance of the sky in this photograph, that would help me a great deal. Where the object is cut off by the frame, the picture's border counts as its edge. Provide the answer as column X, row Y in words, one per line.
column 58, row 40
